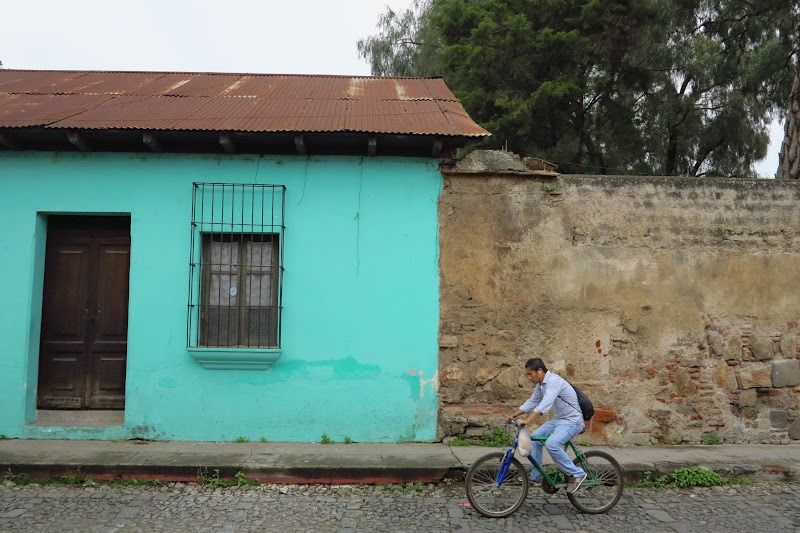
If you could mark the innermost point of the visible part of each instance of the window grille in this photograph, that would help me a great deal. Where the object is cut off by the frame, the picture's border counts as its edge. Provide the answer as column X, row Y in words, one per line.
column 236, row 265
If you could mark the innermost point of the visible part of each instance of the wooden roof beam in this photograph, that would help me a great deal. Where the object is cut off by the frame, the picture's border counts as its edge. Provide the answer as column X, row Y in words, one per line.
column 300, row 144
column 436, row 151
column 227, row 143
column 151, row 141
column 78, row 140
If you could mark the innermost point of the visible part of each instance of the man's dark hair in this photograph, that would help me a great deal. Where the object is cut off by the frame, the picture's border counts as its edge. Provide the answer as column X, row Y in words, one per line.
column 535, row 364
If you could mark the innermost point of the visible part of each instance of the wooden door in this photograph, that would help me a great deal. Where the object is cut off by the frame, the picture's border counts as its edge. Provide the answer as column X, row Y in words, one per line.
column 84, row 338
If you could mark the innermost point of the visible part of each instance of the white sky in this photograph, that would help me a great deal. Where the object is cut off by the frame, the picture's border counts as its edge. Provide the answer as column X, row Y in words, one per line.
column 267, row 36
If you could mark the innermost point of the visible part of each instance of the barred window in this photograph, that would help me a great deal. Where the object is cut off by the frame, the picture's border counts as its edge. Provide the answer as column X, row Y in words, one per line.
column 236, row 266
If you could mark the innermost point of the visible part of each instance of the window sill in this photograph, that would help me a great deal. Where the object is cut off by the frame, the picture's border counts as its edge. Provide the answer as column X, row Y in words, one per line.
column 235, row 358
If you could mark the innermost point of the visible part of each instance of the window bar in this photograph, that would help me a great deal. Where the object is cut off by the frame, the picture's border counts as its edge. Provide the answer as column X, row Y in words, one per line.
column 191, row 267
column 260, row 279
column 252, row 238
column 221, row 256
column 242, row 270
column 278, row 268
column 231, row 238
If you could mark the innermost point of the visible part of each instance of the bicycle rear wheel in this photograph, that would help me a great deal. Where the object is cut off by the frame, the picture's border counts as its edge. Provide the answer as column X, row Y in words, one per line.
column 488, row 493
column 603, row 486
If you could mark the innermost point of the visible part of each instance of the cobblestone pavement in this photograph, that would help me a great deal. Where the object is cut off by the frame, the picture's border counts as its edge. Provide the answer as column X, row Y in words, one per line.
column 178, row 507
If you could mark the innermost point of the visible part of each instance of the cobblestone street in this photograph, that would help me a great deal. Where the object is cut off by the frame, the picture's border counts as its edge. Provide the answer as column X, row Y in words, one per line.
column 178, row 507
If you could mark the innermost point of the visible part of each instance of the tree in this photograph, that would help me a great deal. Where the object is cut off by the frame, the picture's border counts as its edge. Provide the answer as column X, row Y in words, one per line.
column 789, row 159
column 407, row 44
column 652, row 86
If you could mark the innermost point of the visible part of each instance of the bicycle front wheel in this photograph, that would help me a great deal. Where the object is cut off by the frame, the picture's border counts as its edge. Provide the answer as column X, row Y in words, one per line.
column 493, row 493
column 603, row 486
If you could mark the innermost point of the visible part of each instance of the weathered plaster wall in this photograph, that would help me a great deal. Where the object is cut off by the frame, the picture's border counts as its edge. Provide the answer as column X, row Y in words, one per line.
column 673, row 302
column 360, row 296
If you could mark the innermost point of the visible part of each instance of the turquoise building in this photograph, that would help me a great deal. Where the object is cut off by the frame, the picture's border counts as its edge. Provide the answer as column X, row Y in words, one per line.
column 221, row 256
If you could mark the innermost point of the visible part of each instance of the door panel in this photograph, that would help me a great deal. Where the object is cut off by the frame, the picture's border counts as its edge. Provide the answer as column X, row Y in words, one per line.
column 85, row 313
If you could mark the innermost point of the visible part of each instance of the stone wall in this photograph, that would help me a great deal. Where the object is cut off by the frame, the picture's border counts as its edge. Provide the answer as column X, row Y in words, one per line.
column 674, row 303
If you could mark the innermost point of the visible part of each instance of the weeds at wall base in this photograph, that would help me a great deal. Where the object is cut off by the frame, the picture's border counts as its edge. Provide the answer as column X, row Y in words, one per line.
column 683, row 478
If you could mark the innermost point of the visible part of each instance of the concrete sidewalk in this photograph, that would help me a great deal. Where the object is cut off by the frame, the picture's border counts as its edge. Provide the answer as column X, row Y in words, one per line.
column 352, row 463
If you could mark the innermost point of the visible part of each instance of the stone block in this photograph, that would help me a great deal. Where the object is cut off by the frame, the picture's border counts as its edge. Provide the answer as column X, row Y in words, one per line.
column 748, row 398
column 789, row 346
column 506, row 385
column 794, row 430
column 749, row 412
column 762, row 347
column 752, row 378
column 733, row 350
column 779, row 419
column 448, row 341
column 684, row 383
column 786, row 373
column 485, row 375
column 724, row 376
column 467, row 356
column 715, row 343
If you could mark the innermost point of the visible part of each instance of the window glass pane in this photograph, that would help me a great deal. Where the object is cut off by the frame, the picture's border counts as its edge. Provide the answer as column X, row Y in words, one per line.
column 259, row 254
column 224, row 290
column 259, row 290
column 224, row 255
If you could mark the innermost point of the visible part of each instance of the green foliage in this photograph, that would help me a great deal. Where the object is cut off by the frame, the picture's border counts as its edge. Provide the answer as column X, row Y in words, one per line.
column 241, row 440
column 498, row 438
column 241, row 481
column 650, row 482
column 326, row 439
column 3, row 437
column 127, row 482
column 209, row 480
column 406, row 45
column 408, row 488
column 18, row 479
column 347, row 440
column 711, row 438
column 607, row 86
column 687, row 477
column 214, row 481
column 696, row 477
column 460, row 441
column 263, row 439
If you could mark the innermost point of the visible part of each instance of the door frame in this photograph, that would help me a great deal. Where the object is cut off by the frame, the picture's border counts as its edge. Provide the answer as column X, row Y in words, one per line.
column 93, row 225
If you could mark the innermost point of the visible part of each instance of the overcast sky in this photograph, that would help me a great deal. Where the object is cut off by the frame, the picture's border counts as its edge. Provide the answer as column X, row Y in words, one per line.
column 267, row 36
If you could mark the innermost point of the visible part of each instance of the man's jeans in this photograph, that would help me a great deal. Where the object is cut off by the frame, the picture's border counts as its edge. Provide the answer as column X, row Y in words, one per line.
column 559, row 433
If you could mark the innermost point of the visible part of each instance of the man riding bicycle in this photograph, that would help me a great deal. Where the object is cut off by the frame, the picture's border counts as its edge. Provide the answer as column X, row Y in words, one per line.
column 552, row 392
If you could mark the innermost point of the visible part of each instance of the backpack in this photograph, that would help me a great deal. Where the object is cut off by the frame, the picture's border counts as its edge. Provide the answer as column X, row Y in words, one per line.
column 585, row 404
column 587, row 409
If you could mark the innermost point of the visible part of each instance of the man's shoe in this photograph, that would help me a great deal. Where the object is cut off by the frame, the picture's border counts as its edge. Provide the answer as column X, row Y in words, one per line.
column 575, row 484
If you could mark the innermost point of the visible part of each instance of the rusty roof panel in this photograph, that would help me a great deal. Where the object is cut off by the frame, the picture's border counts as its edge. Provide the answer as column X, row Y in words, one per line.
column 39, row 82
column 98, row 83
column 232, row 102
column 27, row 110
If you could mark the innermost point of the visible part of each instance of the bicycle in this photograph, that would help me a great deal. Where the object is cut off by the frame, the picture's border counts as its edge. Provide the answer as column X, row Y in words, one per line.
column 497, row 483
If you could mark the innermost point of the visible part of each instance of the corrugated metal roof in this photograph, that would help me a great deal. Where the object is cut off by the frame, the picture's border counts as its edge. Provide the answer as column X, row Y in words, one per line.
column 231, row 102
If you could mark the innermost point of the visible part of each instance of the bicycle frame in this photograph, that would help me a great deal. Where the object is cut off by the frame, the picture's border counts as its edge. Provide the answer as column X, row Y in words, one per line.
column 545, row 475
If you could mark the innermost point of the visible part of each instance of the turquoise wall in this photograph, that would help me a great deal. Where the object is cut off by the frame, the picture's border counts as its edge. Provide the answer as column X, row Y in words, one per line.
column 359, row 345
